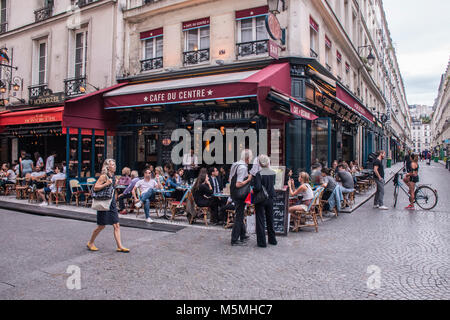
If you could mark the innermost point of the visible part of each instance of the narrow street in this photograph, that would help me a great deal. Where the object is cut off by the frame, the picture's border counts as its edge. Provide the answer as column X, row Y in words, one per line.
column 410, row 249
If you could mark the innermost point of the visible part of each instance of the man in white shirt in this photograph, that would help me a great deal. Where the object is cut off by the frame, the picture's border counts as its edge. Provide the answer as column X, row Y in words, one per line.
column 52, row 187
column 146, row 187
column 190, row 163
column 50, row 163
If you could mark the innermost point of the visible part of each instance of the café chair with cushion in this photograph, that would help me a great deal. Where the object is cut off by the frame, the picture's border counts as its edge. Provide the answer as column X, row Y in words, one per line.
column 76, row 191
column 178, row 207
column 59, row 196
column 299, row 217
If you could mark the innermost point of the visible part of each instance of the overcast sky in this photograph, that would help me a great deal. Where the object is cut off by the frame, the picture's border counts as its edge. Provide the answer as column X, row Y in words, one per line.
column 420, row 31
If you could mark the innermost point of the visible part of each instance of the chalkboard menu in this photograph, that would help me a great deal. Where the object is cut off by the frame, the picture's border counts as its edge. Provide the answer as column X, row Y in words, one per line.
column 280, row 212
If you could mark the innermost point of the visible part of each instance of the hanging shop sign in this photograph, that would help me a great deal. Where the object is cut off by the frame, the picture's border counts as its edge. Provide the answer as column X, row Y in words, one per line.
column 51, row 99
column 273, row 49
column 273, row 27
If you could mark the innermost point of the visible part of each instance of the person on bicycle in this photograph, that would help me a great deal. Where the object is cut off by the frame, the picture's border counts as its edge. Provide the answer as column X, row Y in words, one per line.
column 411, row 178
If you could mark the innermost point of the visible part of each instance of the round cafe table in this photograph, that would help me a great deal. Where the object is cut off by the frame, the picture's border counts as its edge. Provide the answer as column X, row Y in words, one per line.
column 163, row 191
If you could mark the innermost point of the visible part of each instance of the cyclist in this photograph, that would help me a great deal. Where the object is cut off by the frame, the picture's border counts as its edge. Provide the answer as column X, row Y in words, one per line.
column 411, row 178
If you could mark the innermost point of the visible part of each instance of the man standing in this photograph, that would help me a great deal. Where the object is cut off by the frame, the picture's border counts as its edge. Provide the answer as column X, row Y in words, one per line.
column 240, row 169
column 216, row 202
column 146, row 186
column 50, row 164
column 190, row 163
column 378, row 170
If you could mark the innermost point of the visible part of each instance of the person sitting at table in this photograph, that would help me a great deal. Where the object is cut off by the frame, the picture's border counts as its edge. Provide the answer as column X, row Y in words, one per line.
column 125, row 179
column 305, row 192
column 126, row 194
column 223, row 177
column 167, row 168
column 160, row 173
column 43, row 192
column 171, row 183
column 229, row 205
column 329, row 185
column 347, row 180
column 36, row 176
column 316, row 175
column 10, row 174
column 202, row 192
column 179, row 176
column 147, row 187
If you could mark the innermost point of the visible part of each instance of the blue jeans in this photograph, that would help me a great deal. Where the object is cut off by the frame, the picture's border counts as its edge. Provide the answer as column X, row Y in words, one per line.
column 145, row 199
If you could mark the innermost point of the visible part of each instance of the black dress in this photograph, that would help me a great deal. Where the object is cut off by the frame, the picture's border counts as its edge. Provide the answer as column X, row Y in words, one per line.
column 112, row 216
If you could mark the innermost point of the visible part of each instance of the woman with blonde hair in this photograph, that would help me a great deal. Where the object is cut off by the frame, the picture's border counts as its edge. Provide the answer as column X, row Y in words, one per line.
column 107, row 179
column 305, row 191
column 125, row 179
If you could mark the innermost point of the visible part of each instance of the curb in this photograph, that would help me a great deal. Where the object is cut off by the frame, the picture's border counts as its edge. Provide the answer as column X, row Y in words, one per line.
column 81, row 216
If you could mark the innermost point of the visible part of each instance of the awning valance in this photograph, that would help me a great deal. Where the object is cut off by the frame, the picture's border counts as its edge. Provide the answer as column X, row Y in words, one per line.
column 253, row 12
column 151, row 34
column 345, row 98
column 34, row 116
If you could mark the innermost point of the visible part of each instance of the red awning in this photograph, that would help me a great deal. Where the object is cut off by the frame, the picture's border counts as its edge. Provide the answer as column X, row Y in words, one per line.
column 88, row 112
column 256, row 83
column 32, row 116
column 253, row 12
column 346, row 99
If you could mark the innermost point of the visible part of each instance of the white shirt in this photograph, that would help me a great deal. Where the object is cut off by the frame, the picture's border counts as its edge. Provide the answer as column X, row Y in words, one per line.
column 144, row 186
column 39, row 162
column 189, row 162
column 242, row 171
column 58, row 176
column 50, row 164
column 11, row 175
column 37, row 174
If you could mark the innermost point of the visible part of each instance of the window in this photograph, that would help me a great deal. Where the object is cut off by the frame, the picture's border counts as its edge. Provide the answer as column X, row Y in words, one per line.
column 339, row 65
column 153, row 48
column 314, row 38
column 81, row 45
column 39, row 75
column 252, row 36
column 197, row 39
column 328, row 53
column 3, row 16
column 42, row 62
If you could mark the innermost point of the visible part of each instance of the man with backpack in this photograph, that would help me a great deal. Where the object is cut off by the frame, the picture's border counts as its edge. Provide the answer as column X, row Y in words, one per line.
column 240, row 188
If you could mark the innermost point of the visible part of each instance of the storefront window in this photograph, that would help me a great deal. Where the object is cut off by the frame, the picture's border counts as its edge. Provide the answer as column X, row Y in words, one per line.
column 86, row 152
column 319, row 141
column 73, row 156
column 297, row 144
column 99, row 153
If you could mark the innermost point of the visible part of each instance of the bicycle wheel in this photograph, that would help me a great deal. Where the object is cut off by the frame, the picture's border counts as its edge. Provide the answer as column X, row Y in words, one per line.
column 426, row 197
column 395, row 195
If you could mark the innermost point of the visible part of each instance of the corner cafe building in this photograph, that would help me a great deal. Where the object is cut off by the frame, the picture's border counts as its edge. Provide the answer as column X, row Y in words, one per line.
column 317, row 117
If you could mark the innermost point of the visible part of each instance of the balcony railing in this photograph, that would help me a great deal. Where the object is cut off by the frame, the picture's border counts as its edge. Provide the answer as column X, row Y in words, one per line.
column 43, row 14
column 313, row 54
column 3, row 27
column 72, row 86
column 131, row 4
column 195, row 57
column 82, row 3
column 252, row 48
column 151, row 64
column 37, row 90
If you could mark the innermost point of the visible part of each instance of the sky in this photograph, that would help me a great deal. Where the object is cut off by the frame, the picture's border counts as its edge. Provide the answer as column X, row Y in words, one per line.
column 420, row 31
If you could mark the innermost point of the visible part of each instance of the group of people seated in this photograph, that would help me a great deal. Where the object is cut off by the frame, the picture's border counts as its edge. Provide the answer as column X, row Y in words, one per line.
column 321, row 176
column 174, row 182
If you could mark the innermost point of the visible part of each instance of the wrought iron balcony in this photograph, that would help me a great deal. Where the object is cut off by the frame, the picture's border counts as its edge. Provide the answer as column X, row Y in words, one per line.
column 82, row 3
column 72, row 86
column 195, row 57
column 252, row 48
column 3, row 27
column 313, row 54
column 43, row 14
column 37, row 90
column 151, row 64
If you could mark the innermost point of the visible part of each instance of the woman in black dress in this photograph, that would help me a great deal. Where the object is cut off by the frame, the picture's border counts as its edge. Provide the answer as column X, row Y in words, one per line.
column 110, row 217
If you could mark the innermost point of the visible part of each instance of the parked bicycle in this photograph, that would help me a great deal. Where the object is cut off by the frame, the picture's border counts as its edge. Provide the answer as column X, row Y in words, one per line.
column 425, row 196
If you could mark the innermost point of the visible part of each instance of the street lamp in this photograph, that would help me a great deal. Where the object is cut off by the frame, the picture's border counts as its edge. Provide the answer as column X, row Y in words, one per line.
column 83, row 88
column 370, row 58
column 274, row 5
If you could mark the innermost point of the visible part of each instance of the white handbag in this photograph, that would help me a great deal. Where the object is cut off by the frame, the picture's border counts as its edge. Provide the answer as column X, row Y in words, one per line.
column 101, row 205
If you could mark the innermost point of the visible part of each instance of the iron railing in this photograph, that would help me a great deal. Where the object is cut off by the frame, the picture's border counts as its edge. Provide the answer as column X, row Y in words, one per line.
column 82, row 3
column 72, row 86
column 43, row 14
column 313, row 54
column 37, row 90
column 252, row 48
column 151, row 64
column 194, row 57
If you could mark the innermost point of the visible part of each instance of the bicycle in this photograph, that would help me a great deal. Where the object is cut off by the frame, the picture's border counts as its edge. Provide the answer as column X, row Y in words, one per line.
column 425, row 196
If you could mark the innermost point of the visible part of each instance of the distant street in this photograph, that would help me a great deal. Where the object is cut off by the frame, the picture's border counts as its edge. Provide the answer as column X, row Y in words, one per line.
column 407, row 253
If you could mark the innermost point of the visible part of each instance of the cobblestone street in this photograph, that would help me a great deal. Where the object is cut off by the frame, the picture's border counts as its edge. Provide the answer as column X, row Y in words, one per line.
column 411, row 250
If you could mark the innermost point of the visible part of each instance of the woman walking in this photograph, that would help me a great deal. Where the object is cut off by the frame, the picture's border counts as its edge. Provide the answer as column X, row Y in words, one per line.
column 110, row 217
column 264, row 210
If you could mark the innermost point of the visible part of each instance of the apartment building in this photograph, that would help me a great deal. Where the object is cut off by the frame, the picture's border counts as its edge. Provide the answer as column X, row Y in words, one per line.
column 59, row 50
column 441, row 117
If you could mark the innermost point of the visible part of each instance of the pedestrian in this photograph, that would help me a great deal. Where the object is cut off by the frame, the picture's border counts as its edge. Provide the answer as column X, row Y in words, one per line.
column 111, row 217
column 240, row 178
column 411, row 179
column 264, row 178
column 378, row 170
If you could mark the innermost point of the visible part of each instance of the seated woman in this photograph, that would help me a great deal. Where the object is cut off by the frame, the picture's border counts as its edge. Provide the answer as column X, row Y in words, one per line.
column 329, row 184
column 202, row 190
column 304, row 191
column 125, row 179
column 171, row 183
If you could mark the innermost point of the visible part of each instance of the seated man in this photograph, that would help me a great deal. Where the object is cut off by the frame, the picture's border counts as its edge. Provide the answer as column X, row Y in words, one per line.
column 146, row 187
column 126, row 194
column 43, row 193
column 329, row 185
column 37, row 175
column 346, row 178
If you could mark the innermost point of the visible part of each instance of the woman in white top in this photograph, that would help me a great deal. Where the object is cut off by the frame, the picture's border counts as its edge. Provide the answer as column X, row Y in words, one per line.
column 305, row 191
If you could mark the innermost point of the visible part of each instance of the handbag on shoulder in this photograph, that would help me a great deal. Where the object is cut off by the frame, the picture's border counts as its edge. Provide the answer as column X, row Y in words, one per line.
column 239, row 194
column 261, row 196
column 101, row 200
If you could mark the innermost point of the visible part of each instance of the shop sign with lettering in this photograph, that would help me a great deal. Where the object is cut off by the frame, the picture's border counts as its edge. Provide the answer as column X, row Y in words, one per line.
column 52, row 99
